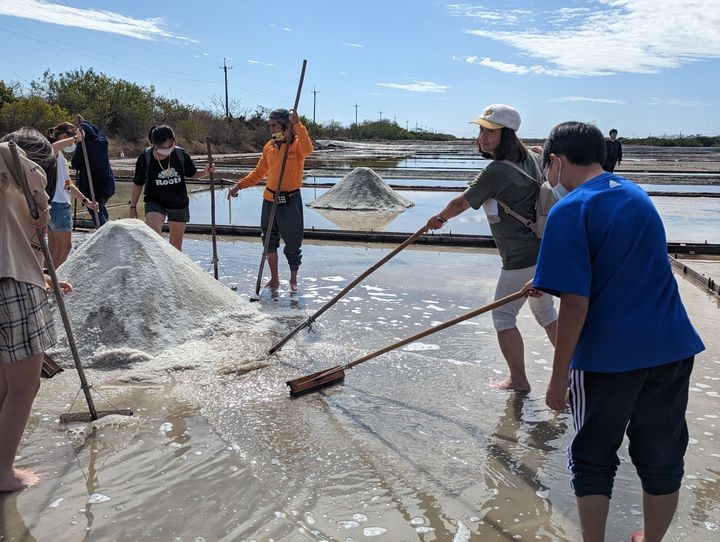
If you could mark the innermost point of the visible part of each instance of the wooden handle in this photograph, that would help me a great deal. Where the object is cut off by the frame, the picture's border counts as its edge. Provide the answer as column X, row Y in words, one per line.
column 274, row 348
column 271, row 219
column 500, row 302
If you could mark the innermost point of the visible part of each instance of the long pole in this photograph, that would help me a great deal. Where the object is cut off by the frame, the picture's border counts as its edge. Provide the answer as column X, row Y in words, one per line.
column 20, row 175
column 271, row 220
column 309, row 321
column 95, row 215
column 225, row 68
column 212, row 209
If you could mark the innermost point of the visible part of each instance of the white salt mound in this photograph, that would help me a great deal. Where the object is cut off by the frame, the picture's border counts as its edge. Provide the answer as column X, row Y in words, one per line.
column 361, row 189
column 137, row 295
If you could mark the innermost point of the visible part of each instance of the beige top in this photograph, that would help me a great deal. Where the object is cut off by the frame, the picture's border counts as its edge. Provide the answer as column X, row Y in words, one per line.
column 21, row 257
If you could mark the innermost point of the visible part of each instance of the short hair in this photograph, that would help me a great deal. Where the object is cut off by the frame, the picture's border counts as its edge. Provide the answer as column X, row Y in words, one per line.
column 509, row 148
column 53, row 134
column 613, row 131
column 282, row 116
column 581, row 143
column 160, row 134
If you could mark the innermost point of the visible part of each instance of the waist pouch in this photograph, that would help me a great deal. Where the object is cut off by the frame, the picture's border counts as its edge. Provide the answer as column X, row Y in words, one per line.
column 283, row 197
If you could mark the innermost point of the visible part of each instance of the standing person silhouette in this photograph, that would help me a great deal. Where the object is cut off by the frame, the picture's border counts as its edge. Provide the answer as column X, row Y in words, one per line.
column 613, row 152
column 289, row 214
column 517, row 243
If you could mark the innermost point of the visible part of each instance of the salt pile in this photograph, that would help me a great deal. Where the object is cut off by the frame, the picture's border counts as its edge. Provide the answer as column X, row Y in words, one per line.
column 361, row 189
column 134, row 292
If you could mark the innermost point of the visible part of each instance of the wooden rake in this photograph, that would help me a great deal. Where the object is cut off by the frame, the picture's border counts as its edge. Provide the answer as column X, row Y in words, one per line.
column 336, row 374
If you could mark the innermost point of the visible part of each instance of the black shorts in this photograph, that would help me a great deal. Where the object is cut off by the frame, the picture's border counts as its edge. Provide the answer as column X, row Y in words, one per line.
column 173, row 215
column 647, row 404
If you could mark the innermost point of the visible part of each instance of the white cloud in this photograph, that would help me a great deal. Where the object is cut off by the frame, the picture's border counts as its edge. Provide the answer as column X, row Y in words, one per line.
column 287, row 29
column 417, row 86
column 89, row 19
column 352, row 44
column 586, row 99
column 480, row 13
column 253, row 61
column 675, row 102
column 618, row 36
column 502, row 66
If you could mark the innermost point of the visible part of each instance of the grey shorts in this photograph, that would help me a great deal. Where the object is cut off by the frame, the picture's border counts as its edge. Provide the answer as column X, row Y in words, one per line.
column 173, row 215
column 60, row 217
column 26, row 325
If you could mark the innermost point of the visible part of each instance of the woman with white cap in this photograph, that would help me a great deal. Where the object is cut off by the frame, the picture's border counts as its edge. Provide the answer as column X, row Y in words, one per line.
column 512, row 180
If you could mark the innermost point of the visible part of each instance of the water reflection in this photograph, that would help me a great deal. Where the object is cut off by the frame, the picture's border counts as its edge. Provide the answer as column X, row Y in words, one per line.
column 517, row 454
column 11, row 522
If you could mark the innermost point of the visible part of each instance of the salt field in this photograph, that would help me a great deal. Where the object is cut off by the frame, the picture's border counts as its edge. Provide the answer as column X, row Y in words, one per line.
column 414, row 445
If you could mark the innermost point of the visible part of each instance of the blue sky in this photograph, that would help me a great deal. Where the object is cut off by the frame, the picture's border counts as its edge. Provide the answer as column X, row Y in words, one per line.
column 645, row 67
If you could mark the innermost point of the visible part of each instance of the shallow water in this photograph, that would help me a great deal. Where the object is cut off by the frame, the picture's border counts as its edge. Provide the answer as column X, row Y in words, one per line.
column 413, row 446
column 685, row 219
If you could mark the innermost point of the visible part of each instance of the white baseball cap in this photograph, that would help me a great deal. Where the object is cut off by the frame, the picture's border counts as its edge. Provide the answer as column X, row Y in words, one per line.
column 499, row 116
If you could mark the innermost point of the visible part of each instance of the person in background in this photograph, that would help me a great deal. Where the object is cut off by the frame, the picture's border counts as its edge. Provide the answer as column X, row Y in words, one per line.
column 162, row 169
column 102, row 175
column 289, row 213
column 517, row 243
column 26, row 326
column 613, row 152
column 64, row 138
column 625, row 346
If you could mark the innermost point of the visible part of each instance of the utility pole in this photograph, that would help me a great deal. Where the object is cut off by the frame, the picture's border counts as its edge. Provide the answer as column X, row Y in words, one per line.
column 394, row 119
column 381, row 115
column 406, row 126
column 356, row 106
column 315, row 93
column 225, row 68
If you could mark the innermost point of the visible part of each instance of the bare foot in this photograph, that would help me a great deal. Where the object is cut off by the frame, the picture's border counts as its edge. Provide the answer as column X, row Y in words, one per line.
column 509, row 384
column 19, row 479
column 293, row 288
column 272, row 285
column 637, row 536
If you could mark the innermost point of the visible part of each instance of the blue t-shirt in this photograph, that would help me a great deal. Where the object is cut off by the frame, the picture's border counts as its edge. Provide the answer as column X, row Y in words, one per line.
column 605, row 241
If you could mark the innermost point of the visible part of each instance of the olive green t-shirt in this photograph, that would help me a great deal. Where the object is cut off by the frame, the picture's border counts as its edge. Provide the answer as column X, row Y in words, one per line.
column 518, row 245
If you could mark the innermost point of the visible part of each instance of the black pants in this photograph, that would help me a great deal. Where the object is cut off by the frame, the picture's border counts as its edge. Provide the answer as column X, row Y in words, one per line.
column 650, row 405
column 289, row 225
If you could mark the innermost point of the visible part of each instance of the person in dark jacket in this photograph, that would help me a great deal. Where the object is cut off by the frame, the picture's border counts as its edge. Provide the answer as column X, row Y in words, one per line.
column 613, row 152
column 102, row 176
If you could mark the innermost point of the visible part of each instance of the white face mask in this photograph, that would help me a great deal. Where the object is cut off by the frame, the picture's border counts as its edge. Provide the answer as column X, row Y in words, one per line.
column 559, row 191
column 70, row 148
column 278, row 136
column 164, row 152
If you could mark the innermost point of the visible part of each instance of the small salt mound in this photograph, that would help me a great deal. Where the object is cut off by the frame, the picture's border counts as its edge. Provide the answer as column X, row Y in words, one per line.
column 361, row 189
column 133, row 290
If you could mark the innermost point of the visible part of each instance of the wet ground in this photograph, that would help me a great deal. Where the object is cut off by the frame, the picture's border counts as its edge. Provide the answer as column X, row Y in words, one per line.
column 415, row 445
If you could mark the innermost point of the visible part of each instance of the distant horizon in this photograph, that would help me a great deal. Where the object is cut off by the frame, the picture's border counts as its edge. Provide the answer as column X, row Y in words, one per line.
column 643, row 67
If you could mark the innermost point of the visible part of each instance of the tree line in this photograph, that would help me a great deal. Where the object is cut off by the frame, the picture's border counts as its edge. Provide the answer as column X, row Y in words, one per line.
column 125, row 111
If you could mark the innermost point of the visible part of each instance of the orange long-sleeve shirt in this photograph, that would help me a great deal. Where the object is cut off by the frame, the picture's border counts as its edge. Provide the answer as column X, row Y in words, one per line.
column 270, row 163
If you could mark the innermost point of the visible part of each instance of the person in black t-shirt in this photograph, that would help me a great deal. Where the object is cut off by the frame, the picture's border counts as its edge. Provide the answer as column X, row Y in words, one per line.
column 162, row 169
column 613, row 152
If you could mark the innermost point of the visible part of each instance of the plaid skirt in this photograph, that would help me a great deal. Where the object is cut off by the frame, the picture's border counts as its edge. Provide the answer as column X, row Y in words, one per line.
column 26, row 325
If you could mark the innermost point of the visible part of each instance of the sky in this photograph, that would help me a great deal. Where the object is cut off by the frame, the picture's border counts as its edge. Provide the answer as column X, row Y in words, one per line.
column 644, row 67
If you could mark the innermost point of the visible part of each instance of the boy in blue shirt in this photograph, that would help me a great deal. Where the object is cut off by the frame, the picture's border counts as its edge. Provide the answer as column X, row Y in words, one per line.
column 625, row 346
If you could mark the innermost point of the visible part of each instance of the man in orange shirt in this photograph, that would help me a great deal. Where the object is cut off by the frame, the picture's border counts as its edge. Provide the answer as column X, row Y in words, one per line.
column 289, row 214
